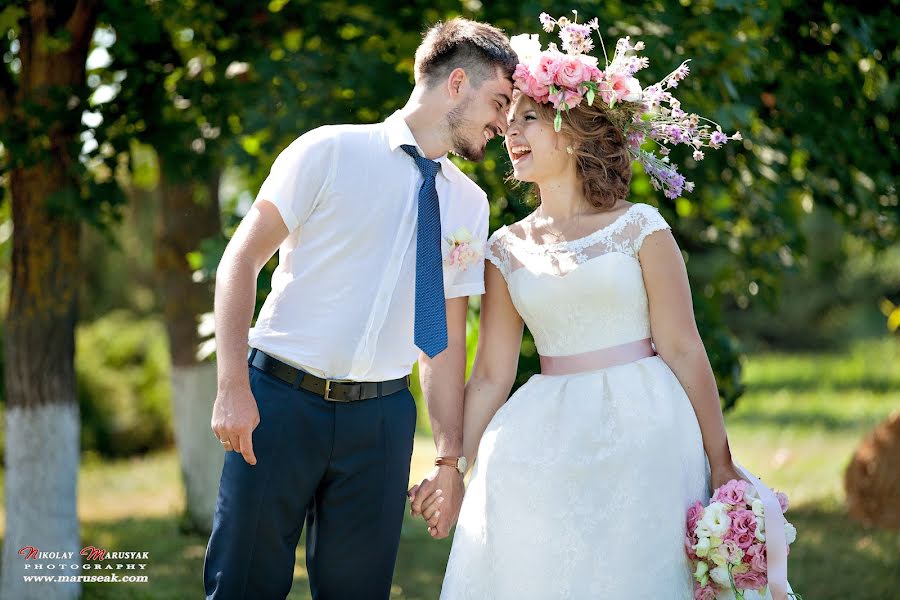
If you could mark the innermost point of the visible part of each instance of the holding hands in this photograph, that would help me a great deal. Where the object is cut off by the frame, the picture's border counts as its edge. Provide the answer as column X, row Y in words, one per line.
column 438, row 499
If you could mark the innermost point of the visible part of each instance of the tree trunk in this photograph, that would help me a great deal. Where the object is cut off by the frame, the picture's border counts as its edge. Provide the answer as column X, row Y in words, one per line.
column 42, row 424
column 184, row 221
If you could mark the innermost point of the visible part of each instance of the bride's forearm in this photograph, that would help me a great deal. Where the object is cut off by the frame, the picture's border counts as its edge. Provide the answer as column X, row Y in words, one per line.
column 691, row 366
column 483, row 398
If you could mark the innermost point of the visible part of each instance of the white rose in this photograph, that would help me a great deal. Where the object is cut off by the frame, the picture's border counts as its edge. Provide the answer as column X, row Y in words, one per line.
column 527, row 47
column 716, row 518
column 719, row 556
column 790, row 533
column 702, row 530
column 702, row 569
column 587, row 59
column 633, row 90
column 701, row 548
column 757, row 507
column 760, row 535
column 462, row 235
column 720, row 576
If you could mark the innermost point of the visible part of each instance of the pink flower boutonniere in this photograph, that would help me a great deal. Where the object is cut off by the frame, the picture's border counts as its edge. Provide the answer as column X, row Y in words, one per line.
column 462, row 253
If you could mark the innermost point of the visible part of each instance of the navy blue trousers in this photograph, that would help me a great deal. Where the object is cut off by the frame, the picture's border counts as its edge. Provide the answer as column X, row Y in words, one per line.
column 342, row 467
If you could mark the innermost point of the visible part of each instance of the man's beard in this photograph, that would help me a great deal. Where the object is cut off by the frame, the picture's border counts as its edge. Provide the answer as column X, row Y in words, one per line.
column 457, row 124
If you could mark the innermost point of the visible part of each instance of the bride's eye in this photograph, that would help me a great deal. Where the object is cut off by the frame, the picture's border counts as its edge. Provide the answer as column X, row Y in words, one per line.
column 530, row 117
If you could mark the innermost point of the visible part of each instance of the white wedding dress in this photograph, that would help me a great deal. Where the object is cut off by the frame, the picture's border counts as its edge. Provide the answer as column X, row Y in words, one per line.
column 582, row 482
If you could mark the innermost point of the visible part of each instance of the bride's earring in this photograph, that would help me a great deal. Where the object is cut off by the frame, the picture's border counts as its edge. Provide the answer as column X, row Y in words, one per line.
column 570, row 149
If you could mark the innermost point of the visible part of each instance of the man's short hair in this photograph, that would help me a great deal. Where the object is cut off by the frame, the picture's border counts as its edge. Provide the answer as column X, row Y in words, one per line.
column 478, row 48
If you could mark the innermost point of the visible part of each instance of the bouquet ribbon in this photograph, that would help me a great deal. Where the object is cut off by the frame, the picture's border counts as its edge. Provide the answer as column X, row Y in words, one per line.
column 776, row 542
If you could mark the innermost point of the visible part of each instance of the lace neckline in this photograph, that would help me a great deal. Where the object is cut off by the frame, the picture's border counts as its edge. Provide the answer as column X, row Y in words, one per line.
column 583, row 241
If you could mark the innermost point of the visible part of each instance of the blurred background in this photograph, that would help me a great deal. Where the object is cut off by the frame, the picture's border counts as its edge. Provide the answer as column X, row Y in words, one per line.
column 134, row 135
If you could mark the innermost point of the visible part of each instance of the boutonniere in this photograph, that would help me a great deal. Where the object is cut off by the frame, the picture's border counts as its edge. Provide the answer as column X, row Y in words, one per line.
column 462, row 252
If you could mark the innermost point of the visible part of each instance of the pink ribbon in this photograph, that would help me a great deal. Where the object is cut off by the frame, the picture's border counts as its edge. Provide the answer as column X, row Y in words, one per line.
column 597, row 359
column 776, row 542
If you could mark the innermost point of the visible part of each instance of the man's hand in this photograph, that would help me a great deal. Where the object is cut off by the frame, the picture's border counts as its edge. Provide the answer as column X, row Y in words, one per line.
column 437, row 499
column 235, row 416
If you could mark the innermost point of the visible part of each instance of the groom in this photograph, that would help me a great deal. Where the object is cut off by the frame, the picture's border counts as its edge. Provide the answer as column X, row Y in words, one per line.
column 318, row 423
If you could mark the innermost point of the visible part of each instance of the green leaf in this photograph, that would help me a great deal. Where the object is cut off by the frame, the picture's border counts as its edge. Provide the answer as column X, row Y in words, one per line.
column 590, row 97
column 10, row 17
column 557, row 122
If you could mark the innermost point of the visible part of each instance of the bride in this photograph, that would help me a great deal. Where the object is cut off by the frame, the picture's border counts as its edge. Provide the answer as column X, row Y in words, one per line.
column 584, row 476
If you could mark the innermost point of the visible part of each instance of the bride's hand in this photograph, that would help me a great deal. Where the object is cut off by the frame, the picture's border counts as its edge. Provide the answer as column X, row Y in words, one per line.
column 722, row 474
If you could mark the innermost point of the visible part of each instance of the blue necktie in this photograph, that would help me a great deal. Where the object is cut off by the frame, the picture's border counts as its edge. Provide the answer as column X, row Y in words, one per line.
column 430, row 332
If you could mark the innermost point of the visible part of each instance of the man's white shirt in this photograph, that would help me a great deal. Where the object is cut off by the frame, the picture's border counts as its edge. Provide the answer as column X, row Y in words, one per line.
column 342, row 304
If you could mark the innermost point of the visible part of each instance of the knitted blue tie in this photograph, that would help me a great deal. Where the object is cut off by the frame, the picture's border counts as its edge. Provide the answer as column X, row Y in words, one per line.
column 431, row 310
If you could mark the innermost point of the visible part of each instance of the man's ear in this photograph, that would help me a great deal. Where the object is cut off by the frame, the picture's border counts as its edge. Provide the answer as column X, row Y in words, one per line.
column 455, row 82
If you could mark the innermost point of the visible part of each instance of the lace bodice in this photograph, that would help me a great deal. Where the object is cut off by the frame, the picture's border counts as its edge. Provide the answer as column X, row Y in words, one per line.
column 584, row 294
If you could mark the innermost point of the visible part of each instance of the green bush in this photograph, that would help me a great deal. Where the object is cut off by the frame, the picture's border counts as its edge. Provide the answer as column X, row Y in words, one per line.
column 122, row 367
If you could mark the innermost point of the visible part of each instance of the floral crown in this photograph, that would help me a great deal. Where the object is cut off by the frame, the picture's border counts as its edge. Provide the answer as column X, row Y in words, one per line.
column 566, row 78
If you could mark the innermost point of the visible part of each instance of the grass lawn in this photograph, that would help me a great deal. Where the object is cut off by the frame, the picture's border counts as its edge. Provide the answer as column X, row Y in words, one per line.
column 797, row 427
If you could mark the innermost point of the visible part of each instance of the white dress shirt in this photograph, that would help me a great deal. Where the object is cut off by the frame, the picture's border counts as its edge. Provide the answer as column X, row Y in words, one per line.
column 342, row 304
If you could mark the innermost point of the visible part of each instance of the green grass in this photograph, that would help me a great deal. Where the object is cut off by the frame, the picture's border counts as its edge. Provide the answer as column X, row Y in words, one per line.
column 797, row 427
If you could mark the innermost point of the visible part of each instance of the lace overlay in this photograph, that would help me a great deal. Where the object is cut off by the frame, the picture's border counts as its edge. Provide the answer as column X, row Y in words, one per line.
column 582, row 482
column 593, row 284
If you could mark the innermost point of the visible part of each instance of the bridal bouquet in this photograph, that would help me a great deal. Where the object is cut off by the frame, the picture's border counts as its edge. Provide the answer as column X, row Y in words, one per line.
column 727, row 544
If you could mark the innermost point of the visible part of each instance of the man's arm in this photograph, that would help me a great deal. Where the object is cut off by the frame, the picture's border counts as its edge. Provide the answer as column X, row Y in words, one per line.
column 443, row 381
column 235, row 414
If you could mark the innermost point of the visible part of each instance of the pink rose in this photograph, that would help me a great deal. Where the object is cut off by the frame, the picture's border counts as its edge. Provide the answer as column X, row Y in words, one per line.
column 621, row 89
column 731, row 492
column 783, row 501
column 572, row 73
column 704, row 593
column 547, row 68
column 570, row 98
column 743, row 520
column 757, row 555
column 530, row 86
column 744, row 539
column 689, row 542
column 695, row 513
column 743, row 528
column 462, row 255
column 751, row 580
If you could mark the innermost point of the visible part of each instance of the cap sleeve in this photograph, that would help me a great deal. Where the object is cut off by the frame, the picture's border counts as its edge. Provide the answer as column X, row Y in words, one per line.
column 648, row 220
column 496, row 251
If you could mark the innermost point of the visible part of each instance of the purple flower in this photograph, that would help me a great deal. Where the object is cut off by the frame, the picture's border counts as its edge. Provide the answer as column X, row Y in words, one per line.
column 676, row 133
column 576, row 39
column 547, row 21
column 717, row 138
column 681, row 72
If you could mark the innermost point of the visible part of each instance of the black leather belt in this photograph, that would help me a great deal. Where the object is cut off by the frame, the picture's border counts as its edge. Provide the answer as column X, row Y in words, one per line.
column 336, row 391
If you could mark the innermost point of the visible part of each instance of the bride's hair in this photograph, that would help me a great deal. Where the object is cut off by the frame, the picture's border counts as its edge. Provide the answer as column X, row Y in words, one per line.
column 601, row 153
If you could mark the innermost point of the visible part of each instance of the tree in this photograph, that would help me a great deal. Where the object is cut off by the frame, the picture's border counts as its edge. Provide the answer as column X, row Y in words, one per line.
column 38, row 109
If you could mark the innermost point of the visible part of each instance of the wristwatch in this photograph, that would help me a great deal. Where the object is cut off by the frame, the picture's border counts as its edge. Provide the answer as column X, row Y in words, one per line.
column 458, row 462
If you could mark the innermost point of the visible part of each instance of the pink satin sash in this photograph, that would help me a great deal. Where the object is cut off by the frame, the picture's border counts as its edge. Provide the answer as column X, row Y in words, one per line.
column 597, row 359
column 776, row 542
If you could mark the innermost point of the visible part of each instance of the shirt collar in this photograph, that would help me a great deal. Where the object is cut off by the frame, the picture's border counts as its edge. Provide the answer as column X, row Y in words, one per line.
column 399, row 134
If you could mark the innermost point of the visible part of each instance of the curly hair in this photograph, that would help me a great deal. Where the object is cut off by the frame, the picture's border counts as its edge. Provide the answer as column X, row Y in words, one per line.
column 600, row 148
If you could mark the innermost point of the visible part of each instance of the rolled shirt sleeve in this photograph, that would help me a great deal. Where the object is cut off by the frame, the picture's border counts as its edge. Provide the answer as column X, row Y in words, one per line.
column 466, row 277
column 300, row 177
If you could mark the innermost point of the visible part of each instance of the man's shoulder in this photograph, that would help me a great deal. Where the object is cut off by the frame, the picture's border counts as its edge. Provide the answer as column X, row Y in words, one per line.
column 464, row 183
column 343, row 132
